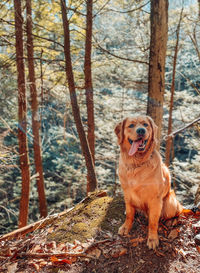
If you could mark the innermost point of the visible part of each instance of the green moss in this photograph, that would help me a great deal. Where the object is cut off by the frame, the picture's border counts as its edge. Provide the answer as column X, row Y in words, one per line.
column 87, row 218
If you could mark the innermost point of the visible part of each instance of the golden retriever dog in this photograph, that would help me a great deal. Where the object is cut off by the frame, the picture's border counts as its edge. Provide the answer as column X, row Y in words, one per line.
column 144, row 178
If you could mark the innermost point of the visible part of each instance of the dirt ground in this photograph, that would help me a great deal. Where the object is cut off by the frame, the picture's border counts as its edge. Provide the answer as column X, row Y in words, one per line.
column 85, row 240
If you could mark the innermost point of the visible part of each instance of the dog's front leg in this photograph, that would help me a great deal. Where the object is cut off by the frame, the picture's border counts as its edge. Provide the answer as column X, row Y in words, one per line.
column 130, row 213
column 154, row 215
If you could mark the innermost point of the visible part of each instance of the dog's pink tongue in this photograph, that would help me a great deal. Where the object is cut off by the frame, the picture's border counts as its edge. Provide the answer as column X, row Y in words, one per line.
column 134, row 147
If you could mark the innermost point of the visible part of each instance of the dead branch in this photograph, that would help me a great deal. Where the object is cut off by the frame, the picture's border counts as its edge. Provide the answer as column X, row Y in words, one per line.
column 29, row 228
column 131, row 10
column 173, row 134
column 59, row 254
column 118, row 57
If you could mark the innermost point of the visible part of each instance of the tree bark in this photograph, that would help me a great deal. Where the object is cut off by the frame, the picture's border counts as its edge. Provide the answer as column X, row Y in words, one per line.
column 92, row 182
column 35, row 114
column 88, row 80
column 158, row 46
column 169, row 139
column 22, row 109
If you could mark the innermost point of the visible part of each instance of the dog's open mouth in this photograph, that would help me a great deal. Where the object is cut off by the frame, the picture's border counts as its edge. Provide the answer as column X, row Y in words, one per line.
column 137, row 145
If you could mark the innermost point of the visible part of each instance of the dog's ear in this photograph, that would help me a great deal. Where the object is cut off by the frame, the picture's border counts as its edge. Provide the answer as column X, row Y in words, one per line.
column 119, row 131
column 154, row 129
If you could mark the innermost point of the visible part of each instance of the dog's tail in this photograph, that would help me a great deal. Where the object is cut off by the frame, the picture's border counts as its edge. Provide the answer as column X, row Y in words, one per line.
column 171, row 206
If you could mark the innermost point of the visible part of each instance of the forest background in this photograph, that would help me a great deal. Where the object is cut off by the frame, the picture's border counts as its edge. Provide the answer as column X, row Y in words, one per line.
column 120, row 56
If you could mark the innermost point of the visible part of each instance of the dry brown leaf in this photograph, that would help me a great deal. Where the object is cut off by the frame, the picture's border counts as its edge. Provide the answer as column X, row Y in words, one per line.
column 35, row 265
column 119, row 251
column 95, row 252
column 7, row 251
column 136, row 241
column 123, row 251
column 55, row 260
column 173, row 234
column 12, row 268
column 43, row 263
column 73, row 259
column 36, row 249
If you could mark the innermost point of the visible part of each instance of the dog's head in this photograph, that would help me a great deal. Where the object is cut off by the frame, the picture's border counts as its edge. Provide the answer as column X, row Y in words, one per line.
column 137, row 135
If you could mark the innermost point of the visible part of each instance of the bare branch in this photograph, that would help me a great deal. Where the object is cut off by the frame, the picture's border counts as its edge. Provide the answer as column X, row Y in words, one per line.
column 131, row 10
column 120, row 57
column 173, row 134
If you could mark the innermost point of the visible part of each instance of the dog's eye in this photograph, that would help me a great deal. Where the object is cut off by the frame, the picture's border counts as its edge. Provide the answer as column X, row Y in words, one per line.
column 146, row 125
column 131, row 126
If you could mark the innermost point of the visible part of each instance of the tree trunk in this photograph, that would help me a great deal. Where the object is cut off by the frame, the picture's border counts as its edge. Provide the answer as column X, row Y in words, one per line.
column 92, row 182
column 22, row 130
column 35, row 114
column 88, row 80
column 169, row 139
column 158, row 45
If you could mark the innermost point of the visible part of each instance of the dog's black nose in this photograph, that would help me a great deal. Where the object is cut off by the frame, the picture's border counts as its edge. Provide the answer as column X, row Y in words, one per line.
column 141, row 131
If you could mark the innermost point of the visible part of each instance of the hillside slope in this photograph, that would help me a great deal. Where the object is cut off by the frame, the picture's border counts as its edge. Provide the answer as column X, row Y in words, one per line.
column 84, row 239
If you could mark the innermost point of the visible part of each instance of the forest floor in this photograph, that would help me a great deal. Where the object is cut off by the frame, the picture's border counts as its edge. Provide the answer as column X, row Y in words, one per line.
column 85, row 240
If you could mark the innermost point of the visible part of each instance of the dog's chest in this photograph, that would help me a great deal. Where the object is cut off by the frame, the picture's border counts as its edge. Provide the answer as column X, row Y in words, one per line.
column 138, row 186
column 131, row 177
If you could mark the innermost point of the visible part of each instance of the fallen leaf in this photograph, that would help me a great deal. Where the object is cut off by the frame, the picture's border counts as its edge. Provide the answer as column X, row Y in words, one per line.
column 186, row 212
column 55, row 260
column 198, row 248
column 159, row 254
column 73, row 259
column 36, row 249
column 43, row 263
column 12, row 268
column 65, row 261
column 136, row 241
column 117, row 252
column 123, row 252
column 36, row 266
column 173, row 234
column 96, row 252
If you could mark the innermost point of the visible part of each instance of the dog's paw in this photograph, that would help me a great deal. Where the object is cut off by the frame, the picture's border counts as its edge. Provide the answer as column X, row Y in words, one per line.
column 152, row 243
column 124, row 230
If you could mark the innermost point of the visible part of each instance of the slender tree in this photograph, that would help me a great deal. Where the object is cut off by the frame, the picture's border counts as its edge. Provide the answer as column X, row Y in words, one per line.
column 88, row 80
column 22, row 109
column 158, row 45
column 169, row 139
column 92, row 182
column 35, row 114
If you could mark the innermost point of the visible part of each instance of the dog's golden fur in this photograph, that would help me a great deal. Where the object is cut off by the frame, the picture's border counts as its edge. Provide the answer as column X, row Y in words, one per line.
column 144, row 178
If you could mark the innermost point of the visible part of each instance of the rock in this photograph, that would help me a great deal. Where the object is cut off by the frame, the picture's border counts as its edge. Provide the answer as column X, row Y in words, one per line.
column 196, row 227
column 197, row 239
